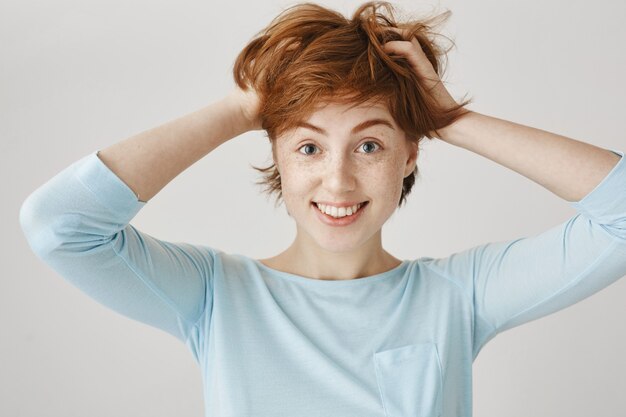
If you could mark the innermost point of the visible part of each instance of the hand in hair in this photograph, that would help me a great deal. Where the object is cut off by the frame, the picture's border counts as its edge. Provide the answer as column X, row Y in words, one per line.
column 249, row 104
column 412, row 51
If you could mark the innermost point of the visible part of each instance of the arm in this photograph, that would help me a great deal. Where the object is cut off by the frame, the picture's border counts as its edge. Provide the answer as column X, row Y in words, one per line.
column 149, row 160
column 78, row 224
column 513, row 282
column 520, row 280
column 567, row 167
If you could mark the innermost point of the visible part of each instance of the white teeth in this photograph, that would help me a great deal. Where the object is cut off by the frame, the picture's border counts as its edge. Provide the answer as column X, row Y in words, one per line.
column 338, row 212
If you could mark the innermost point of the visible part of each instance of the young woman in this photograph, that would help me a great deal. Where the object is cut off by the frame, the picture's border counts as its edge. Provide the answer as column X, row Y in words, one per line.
column 334, row 325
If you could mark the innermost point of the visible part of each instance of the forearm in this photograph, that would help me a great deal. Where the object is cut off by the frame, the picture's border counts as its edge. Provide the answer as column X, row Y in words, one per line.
column 567, row 167
column 148, row 161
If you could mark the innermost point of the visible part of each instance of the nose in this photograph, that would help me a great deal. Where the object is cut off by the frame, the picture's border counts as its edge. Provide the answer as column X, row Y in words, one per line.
column 340, row 175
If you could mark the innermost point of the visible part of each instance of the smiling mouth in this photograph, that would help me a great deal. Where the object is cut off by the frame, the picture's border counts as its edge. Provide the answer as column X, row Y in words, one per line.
column 340, row 213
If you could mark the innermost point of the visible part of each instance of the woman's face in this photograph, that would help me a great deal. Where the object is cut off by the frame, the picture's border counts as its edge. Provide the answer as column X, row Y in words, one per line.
column 341, row 157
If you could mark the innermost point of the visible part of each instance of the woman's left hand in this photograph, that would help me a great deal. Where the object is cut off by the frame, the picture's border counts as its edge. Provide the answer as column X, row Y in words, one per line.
column 412, row 51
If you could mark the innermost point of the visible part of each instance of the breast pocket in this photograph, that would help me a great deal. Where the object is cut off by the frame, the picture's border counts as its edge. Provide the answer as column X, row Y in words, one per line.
column 410, row 380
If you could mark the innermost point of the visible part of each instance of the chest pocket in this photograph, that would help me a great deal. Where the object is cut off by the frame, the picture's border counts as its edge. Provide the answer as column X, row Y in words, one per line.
column 410, row 380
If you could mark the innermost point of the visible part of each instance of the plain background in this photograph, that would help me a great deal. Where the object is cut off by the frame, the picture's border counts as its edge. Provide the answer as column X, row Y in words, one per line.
column 77, row 76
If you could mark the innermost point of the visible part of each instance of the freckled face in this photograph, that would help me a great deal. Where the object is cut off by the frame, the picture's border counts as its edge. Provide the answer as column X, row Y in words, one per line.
column 343, row 165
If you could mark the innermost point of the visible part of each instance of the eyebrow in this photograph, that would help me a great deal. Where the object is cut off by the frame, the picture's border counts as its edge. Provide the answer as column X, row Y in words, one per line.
column 356, row 129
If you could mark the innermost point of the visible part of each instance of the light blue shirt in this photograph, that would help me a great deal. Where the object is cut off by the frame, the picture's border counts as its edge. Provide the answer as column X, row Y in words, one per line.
column 273, row 344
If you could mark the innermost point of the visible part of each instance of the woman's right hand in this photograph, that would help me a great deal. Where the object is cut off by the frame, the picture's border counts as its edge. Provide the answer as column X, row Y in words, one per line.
column 248, row 103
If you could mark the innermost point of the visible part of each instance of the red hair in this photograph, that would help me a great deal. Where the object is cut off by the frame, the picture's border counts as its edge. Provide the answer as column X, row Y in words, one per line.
column 310, row 54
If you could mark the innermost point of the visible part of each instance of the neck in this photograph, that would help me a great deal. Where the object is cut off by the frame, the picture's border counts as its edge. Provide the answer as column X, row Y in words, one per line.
column 310, row 260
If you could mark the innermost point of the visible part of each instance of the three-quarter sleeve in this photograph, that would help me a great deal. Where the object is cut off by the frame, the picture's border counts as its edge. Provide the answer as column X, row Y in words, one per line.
column 513, row 282
column 78, row 224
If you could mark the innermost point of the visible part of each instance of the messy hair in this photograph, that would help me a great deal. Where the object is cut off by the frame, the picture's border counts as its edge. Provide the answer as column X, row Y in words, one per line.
column 310, row 54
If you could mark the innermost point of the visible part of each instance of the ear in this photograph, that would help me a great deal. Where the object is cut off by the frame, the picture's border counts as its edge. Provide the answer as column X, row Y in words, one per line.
column 413, row 148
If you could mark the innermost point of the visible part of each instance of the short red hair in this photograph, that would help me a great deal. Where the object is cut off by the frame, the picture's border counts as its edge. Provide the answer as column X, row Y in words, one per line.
column 310, row 54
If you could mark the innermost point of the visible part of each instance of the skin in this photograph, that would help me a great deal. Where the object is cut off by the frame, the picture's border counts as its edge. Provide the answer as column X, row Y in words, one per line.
column 341, row 167
column 567, row 167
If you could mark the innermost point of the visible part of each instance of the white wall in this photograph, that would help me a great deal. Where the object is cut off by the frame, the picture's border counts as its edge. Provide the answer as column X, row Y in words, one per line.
column 77, row 76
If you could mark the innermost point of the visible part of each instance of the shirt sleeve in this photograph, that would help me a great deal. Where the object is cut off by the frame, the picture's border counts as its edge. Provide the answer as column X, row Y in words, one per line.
column 78, row 224
column 520, row 280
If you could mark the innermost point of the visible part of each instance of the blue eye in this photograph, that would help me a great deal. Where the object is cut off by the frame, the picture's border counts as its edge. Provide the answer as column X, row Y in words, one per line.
column 310, row 145
column 374, row 143
column 307, row 145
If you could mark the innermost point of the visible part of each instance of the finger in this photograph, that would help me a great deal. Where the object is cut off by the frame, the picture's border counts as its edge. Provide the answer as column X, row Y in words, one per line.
column 403, row 32
column 405, row 35
column 399, row 47
column 414, row 54
column 411, row 49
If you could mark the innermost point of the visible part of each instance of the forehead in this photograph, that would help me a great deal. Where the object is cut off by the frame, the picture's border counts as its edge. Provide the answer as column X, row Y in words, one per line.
column 350, row 117
column 343, row 114
column 331, row 110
